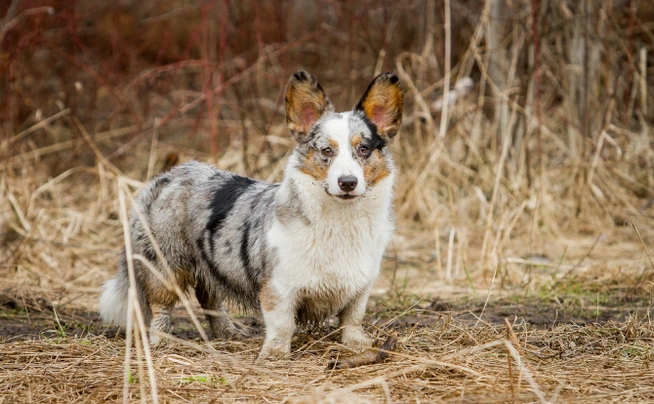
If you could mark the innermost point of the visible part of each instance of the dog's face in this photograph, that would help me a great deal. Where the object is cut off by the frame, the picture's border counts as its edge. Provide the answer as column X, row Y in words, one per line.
column 346, row 153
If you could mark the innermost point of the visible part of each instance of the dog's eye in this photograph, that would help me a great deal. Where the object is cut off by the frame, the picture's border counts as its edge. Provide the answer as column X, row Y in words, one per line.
column 327, row 152
column 363, row 151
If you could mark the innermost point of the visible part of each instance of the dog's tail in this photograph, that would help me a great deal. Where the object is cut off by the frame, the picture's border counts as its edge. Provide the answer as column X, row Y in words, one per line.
column 114, row 299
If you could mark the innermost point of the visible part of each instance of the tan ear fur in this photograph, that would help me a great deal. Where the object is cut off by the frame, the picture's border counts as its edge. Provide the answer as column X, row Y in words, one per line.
column 305, row 103
column 382, row 104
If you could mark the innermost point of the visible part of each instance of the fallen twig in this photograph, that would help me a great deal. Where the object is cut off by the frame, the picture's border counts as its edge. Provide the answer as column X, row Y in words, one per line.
column 368, row 357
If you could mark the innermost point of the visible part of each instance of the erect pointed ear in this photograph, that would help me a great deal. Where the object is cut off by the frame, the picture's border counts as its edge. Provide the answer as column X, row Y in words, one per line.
column 305, row 103
column 382, row 103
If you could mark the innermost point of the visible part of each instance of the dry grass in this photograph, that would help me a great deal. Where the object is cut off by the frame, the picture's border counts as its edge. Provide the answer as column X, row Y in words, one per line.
column 449, row 360
column 516, row 200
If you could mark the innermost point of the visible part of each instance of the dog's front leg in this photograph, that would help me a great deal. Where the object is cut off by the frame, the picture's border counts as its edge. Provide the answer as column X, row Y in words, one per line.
column 279, row 316
column 350, row 321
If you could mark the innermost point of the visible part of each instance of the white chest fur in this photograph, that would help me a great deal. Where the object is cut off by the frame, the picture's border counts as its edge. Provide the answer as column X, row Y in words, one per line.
column 336, row 254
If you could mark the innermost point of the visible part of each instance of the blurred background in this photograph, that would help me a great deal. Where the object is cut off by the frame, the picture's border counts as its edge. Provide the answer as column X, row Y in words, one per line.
column 526, row 139
column 524, row 200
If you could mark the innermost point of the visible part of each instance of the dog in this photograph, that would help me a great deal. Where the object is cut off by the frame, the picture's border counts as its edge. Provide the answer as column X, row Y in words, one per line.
column 296, row 251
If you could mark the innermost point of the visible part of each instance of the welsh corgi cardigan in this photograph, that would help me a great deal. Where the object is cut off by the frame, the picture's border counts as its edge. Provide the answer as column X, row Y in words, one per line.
column 297, row 251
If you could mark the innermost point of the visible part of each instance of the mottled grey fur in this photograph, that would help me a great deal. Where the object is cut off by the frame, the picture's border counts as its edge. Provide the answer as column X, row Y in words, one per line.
column 221, row 260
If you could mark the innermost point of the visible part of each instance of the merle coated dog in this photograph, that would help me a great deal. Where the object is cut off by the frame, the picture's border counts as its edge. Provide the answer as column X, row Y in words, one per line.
column 297, row 251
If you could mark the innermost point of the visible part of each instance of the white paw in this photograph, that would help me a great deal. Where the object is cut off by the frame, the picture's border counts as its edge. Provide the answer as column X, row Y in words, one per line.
column 275, row 348
column 154, row 340
column 356, row 339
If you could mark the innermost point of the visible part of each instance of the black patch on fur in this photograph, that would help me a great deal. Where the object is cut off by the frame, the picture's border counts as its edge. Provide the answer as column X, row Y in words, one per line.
column 253, row 272
column 223, row 201
column 235, row 292
column 301, row 75
column 149, row 254
column 159, row 185
column 374, row 141
column 203, row 295
column 245, row 239
column 144, row 246
column 245, row 258
column 213, row 269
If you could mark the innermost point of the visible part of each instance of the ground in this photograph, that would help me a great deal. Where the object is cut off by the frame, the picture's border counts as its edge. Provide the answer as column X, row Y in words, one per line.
column 586, row 338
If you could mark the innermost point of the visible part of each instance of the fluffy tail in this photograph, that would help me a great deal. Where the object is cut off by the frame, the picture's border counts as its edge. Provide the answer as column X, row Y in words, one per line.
column 113, row 303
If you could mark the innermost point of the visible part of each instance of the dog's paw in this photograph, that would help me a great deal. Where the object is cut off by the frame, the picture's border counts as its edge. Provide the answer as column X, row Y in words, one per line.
column 231, row 333
column 155, row 340
column 239, row 333
column 356, row 339
column 228, row 330
column 275, row 349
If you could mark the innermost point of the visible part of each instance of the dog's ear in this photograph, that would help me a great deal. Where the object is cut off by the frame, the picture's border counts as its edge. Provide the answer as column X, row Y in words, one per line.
column 305, row 103
column 382, row 103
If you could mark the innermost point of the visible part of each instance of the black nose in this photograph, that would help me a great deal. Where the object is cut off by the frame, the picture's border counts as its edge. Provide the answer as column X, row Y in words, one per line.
column 347, row 182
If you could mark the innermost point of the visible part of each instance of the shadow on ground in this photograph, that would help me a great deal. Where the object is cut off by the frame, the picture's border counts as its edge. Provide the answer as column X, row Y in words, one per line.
column 36, row 317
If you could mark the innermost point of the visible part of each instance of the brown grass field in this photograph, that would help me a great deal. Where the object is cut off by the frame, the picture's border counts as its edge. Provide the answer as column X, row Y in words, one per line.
column 521, row 268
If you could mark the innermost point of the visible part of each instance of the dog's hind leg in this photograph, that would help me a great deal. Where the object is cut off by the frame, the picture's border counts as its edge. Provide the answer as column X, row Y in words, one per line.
column 221, row 325
column 160, row 322
column 162, row 301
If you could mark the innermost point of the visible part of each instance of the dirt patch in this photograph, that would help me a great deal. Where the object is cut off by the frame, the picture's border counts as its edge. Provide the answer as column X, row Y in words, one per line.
column 535, row 312
column 37, row 317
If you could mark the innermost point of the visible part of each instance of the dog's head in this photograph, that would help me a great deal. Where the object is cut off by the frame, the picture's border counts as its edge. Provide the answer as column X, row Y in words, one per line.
column 346, row 153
